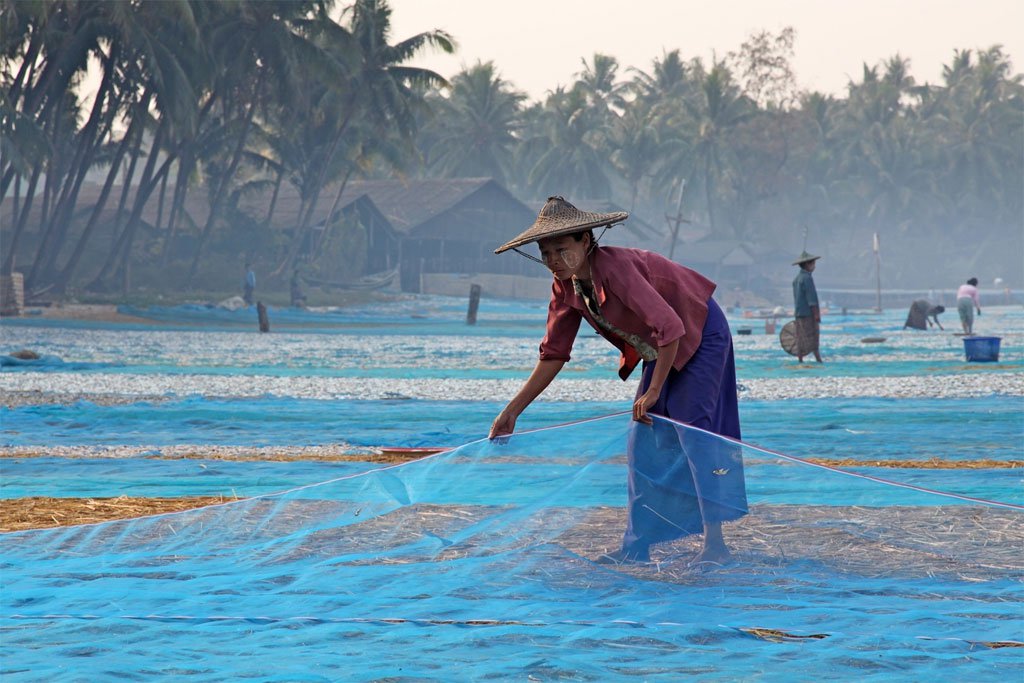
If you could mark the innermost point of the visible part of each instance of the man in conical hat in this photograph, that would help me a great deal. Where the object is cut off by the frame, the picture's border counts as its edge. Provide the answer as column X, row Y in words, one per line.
column 806, row 308
column 681, row 481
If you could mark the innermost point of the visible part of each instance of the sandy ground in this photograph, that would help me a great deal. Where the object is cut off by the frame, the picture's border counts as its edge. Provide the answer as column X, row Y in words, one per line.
column 21, row 514
column 38, row 512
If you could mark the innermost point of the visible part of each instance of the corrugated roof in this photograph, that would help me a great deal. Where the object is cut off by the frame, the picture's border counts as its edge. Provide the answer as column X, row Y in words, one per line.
column 404, row 203
column 409, row 203
column 89, row 194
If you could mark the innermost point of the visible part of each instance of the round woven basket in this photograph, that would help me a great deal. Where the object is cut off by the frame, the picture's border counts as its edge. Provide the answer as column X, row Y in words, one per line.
column 789, row 339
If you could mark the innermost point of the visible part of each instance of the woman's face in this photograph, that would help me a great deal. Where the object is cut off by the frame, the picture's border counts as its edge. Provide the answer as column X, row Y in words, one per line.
column 565, row 256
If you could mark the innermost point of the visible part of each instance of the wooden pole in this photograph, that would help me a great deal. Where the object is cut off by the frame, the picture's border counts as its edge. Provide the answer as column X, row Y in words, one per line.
column 261, row 313
column 474, row 304
column 674, row 221
column 878, row 274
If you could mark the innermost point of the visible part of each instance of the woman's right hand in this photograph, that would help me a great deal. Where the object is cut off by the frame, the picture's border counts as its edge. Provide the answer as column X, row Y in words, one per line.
column 504, row 424
column 539, row 379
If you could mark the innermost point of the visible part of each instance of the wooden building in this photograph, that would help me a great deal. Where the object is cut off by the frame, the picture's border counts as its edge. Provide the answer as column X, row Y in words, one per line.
column 447, row 225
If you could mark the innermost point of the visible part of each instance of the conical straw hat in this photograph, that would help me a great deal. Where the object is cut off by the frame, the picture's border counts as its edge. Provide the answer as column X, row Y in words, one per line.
column 804, row 257
column 559, row 217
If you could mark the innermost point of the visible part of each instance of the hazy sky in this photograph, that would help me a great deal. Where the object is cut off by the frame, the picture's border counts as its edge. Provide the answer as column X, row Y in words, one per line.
column 538, row 44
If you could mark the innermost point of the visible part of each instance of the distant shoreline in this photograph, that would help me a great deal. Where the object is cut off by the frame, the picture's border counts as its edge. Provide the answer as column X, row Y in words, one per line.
column 97, row 312
column 108, row 312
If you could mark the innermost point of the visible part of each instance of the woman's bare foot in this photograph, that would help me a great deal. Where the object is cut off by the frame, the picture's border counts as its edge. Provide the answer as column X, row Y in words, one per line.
column 714, row 554
column 715, row 550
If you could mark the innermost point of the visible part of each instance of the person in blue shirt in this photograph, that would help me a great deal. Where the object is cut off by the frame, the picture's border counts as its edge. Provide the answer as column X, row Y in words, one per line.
column 806, row 309
column 249, row 285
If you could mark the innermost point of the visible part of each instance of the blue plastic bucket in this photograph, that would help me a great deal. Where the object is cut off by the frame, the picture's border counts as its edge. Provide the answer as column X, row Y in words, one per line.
column 982, row 349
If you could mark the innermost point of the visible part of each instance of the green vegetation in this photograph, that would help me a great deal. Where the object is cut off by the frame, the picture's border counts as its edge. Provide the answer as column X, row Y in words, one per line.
column 229, row 99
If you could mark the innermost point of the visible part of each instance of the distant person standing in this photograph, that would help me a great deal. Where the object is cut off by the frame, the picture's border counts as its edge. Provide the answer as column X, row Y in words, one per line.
column 922, row 313
column 966, row 303
column 806, row 308
column 249, row 285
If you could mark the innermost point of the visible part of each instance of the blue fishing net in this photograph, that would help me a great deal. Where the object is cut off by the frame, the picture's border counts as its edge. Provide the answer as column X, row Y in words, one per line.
column 866, row 430
column 482, row 562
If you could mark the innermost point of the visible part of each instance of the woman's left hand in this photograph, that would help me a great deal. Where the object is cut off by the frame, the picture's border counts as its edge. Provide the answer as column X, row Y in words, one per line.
column 643, row 404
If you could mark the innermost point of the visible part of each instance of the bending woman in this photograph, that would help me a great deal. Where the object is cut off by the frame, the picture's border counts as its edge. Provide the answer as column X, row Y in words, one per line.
column 681, row 481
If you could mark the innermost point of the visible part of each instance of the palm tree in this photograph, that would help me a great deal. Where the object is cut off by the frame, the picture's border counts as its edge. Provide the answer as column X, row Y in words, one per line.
column 473, row 130
column 571, row 162
column 264, row 42
column 657, row 104
column 134, row 132
column 709, row 117
column 127, row 40
column 669, row 79
column 379, row 86
column 162, row 46
column 635, row 148
column 982, row 131
column 600, row 85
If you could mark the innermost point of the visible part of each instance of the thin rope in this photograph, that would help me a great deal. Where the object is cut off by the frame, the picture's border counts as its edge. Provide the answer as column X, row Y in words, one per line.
column 879, row 480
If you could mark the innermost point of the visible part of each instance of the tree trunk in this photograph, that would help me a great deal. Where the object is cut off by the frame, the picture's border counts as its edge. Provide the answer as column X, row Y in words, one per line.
column 225, row 180
column 186, row 164
column 708, row 193
column 49, row 91
column 27, row 63
column 121, row 235
column 15, row 212
column 22, row 220
column 303, row 227
column 14, row 94
column 334, row 206
column 90, row 140
column 5, row 179
column 273, row 198
column 54, row 172
column 146, row 186
column 160, row 202
column 126, row 186
column 65, row 275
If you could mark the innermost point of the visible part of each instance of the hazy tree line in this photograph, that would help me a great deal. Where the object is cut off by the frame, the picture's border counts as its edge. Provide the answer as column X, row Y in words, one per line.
column 228, row 97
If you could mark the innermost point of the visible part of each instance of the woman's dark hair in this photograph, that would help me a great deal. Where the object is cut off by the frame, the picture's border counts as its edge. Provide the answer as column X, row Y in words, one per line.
column 973, row 281
column 578, row 236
